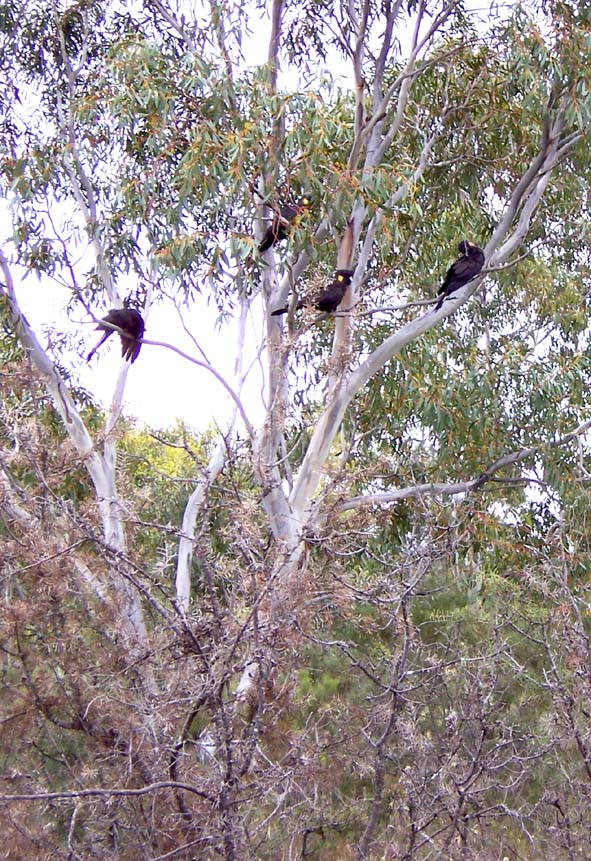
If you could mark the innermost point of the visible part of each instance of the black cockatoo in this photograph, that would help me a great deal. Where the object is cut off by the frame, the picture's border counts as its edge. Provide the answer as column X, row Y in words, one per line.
column 132, row 327
column 330, row 298
column 282, row 221
column 463, row 270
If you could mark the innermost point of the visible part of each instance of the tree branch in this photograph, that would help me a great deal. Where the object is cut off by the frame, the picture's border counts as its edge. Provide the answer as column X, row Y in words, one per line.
column 214, row 467
column 525, row 196
column 440, row 489
column 107, row 793
column 200, row 364
column 102, row 477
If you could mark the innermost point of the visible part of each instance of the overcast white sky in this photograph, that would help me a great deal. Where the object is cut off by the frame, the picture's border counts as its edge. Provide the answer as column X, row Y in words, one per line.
column 161, row 385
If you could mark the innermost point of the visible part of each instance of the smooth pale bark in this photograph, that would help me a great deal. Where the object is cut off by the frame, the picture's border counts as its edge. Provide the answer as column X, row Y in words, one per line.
column 453, row 488
column 100, row 469
column 506, row 239
column 291, row 512
column 216, row 463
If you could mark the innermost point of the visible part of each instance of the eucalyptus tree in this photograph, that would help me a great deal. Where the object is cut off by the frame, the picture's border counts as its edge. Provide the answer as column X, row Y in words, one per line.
column 142, row 146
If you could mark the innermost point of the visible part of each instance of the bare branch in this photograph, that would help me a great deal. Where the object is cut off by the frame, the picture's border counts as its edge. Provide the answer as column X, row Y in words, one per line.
column 360, row 26
column 174, row 23
column 55, row 385
column 214, row 467
column 526, row 196
column 443, row 489
column 200, row 364
column 106, row 793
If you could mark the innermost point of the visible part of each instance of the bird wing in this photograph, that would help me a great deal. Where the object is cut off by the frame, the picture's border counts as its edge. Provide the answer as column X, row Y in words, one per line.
column 136, row 325
column 462, row 271
column 275, row 232
column 116, row 317
column 448, row 279
column 289, row 213
column 131, row 325
column 331, row 298
column 130, row 348
column 134, row 328
column 465, row 269
column 282, row 220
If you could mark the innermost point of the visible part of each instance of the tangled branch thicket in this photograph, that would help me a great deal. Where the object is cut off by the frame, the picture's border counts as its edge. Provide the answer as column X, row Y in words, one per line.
column 351, row 620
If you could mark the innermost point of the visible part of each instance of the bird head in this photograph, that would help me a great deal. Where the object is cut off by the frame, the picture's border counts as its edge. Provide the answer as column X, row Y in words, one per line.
column 464, row 246
column 344, row 276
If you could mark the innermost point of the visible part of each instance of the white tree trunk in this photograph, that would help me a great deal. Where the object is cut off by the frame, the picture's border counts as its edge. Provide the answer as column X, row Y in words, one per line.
column 100, row 469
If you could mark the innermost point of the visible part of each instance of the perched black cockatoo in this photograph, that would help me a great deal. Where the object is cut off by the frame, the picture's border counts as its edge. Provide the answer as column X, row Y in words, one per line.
column 463, row 270
column 330, row 298
column 282, row 221
column 132, row 327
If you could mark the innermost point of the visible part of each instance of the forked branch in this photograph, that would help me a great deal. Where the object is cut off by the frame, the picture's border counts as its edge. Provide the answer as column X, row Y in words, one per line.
column 523, row 203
